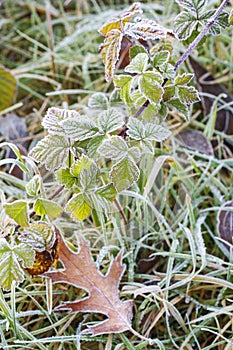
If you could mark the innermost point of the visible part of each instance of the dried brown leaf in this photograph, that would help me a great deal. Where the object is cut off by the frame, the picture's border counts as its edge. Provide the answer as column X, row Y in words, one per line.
column 225, row 222
column 80, row 271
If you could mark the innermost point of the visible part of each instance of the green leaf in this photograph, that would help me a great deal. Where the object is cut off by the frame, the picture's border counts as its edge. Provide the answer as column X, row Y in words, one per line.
column 51, row 151
column 183, row 79
column 54, row 118
column 89, row 178
column 160, row 58
column 124, row 83
column 134, row 153
column 18, row 211
column 10, row 270
column 79, row 207
column 39, row 235
column 110, row 51
column 185, row 23
column 168, row 71
column 80, row 128
column 150, row 88
column 134, row 50
column 8, row 85
column 188, row 95
column 192, row 5
column 139, row 64
column 25, row 254
column 169, row 92
column 180, row 107
column 230, row 18
column 93, row 146
column 113, row 148
column 110, row 120
column 98, row 100
column 154, row 132
column 47, row 207
column 136, row 129
column 33, row 186
column 65, row 177
column 107, row 191
column 83, row 163
column 219, row 24
column 124, row 173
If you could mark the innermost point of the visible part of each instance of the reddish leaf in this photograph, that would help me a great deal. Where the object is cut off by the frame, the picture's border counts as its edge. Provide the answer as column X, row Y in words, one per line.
column 80, row 271
column 225, row 222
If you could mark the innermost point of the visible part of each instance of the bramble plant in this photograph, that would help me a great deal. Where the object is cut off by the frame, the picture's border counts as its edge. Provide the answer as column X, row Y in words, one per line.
column 97, row 153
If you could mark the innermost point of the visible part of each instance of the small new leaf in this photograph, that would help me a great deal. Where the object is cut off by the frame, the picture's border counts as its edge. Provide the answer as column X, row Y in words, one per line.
column 78, row 207
column 124, row 173
column 18, row 211
column 184, row 25
column 180, row 107
column 52, row 151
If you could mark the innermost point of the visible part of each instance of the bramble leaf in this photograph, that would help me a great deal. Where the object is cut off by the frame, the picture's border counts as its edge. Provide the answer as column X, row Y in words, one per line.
column 110, row 120
column 18, row 211
column 180, row 107
column 39, row 235
column 161, row 57
column 65, row 177
column 107, row 191
column 124, row 83
column 139, row 64
column 184, row 25
column 135, row 50
column 110, row 51
column 54, row 118
column 47, row 207
column 136, row 129
column 79, row 207
column 145, row 29
column 183, row 79
column 52, row 151
column 192, row 5
column 82, row 163
column 80, row 128
column 188, row 95
column 33, row 186
column 149, row 86
column 10, row 269
column 98, row 100
column 124, row 173
column 117, row 23
column 113, row 148
column 154, row 132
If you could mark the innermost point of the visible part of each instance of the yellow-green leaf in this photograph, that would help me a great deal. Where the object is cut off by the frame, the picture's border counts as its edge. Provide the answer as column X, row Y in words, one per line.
column 79, row 207
column 8, row 86
column 47, row 207
column 18, row 211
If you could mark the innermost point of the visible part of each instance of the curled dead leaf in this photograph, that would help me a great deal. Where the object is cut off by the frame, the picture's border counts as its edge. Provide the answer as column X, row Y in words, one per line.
column 225, row 222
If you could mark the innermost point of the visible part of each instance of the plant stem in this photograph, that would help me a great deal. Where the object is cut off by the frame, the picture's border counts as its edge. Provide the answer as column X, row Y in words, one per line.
column 189, row 49
column 201, row 34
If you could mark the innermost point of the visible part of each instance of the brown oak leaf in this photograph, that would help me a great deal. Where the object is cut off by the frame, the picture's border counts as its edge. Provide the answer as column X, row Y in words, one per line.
column 80, row 271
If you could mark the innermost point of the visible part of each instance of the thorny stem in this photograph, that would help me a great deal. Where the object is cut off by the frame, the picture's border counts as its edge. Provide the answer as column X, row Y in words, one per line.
column 187, row 52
